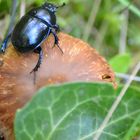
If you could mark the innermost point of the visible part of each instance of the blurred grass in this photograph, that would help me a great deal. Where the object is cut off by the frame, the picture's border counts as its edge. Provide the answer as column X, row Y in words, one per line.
column 130, row 6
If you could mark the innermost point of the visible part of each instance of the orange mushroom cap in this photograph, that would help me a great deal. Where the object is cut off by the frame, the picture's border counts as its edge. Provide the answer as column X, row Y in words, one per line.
column 79, row 62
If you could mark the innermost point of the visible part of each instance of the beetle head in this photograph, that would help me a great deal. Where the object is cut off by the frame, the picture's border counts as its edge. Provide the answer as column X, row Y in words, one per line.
column 52, row 7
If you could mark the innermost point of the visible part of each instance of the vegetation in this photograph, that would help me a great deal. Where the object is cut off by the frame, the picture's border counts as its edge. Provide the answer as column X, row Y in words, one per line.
column 112, row 27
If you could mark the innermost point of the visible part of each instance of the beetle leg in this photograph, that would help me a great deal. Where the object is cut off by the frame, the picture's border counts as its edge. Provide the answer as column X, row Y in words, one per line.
column 39, row 51
column 56, row 40
column 2, row 136
column 4, row 43
column 57, row 28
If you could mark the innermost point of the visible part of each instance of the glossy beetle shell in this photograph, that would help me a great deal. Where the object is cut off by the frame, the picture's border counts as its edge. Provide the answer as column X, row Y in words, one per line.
column 44, row 14
column 29, row 32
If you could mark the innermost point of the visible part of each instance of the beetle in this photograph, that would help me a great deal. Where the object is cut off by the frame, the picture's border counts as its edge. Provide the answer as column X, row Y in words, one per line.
column 2, row 136
column 32, row 29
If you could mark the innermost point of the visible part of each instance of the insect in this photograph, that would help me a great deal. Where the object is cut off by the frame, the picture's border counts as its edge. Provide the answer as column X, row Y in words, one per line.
column 1, row 136
column 32, row 29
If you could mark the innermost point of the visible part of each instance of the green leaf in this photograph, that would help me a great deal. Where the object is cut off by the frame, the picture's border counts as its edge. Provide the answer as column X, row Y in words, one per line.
column 75, row 112
column 120, row 63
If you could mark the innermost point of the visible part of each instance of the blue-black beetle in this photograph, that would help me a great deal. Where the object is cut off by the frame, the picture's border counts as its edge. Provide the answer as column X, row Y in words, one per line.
column 32, row 29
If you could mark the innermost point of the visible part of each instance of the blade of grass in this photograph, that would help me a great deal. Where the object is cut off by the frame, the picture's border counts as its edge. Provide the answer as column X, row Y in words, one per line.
column 131, row 7
column 13, row 15
column 22, row 8
column 132, row 129
column 127, row 76
column 91, row 20
column 123, row 32
column 101, row 35
column 116, row 103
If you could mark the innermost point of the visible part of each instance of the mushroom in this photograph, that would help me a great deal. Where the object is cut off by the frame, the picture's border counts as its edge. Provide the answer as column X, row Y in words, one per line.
column 79, row 62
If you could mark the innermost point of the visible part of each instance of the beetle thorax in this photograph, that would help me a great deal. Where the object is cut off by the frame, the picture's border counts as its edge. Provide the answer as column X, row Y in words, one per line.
column 45, row 15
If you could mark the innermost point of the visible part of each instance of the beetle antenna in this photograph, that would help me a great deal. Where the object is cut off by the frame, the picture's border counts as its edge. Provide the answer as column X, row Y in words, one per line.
column 61, row 5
